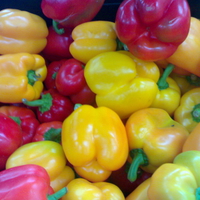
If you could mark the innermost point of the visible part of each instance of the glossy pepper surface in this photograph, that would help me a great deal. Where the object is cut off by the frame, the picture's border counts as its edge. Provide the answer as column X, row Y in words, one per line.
column 152, row 30
column 22, row 74
column 80, row 189
column 47, row 154
column 70, row 13
column 188, row 49
column 21, row 31
column 118, row 81
column 25, row 117
column 188, row 112
column 94, row 136
column 10, row 138
column 92, row 38
column 181, row 178
column 154, row 138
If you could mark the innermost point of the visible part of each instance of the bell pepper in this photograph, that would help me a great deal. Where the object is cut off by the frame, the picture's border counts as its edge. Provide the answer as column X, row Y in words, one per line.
column 154, row 139
column 186, row 82
column 57, row 46
column 92, row 38
column 10, row 138
column 94, row 138
column 25, row 117
column 22, row 76
column 140, row 193
column 169, row 94
column 80, row 189
column 118, row 81
column 27, row 182
column 70, row 81
column 70, row 13
column 152, row 30
column 52, row 106
column 188, row 113
column 48, row 131
column 22, row 31
column 177, row 180
column 47, row 154
column 189, row 49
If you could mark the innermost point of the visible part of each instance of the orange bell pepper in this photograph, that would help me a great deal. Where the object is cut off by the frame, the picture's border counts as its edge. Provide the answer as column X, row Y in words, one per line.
column 154, row 138
column 94, row 138
column 22, row 31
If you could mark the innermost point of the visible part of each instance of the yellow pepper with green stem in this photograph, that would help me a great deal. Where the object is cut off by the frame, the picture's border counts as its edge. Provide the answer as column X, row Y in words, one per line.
column 95, row 142
column 22, row 74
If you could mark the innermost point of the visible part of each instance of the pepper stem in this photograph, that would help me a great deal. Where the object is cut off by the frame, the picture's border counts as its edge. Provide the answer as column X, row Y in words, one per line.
column 197, row 194
column 162, row 82
column 193, row 79
column 55, row 24
column 196, row 113
column 44, row 103
column 53, row 134
column 58, row 194
column 139, row 159
column 32, row 77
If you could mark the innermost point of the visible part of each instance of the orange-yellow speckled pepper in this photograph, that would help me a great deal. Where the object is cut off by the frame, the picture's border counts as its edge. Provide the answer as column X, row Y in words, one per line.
column 21, row 31
column 22, row 76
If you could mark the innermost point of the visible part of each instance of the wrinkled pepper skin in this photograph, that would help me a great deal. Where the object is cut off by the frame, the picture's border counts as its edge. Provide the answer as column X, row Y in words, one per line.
column 27, row 120
column 80, row 189
column 181, row 178
column 22, row 76
column 159, row 136
column 95, row 136
column 47, row 154
column 188, row 113
column 118, row 81
column 70, row 13
column 10, row 138
column 92, row 38
column 152, row 30
column 21, row 31
column 189, row 49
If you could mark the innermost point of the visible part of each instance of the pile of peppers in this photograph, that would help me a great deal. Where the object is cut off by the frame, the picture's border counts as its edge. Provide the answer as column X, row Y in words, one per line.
column 94, row 109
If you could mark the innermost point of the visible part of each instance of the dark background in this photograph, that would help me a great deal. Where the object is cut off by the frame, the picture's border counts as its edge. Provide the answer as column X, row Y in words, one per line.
column 107, row 12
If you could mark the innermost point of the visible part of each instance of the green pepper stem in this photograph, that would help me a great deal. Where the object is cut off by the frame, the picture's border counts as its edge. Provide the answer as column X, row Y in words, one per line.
column 197, row 193
column 193, row 79
column 44, row 103
column 139, row 159
column 58, row 194
column 55, row 24
column 196, row 113
column 162, row 82
column 16, row 119
column 32, row 77
column 53, row 134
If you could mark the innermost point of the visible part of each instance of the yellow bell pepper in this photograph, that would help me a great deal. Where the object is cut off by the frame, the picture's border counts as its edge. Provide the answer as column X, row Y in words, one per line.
column 177, row 180
column 114, row 78
column 92, row 38
column 188, row 112
column 186, row 82
column 94, row 138
column 47, row 154
column 22, row 31
column 22, row 74
column 187, row 55
column 154, row 139
column 169, row 94
column 81, row 189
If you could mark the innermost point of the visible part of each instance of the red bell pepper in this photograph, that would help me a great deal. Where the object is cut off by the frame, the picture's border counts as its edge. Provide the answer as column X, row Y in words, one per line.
column 70, row 81
column 52, row 106
column 48, row 131
column 27, row 182
column 10, row 138
column 25, row 117
column 70, row 13
column 153, row 29
column 57, row 46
